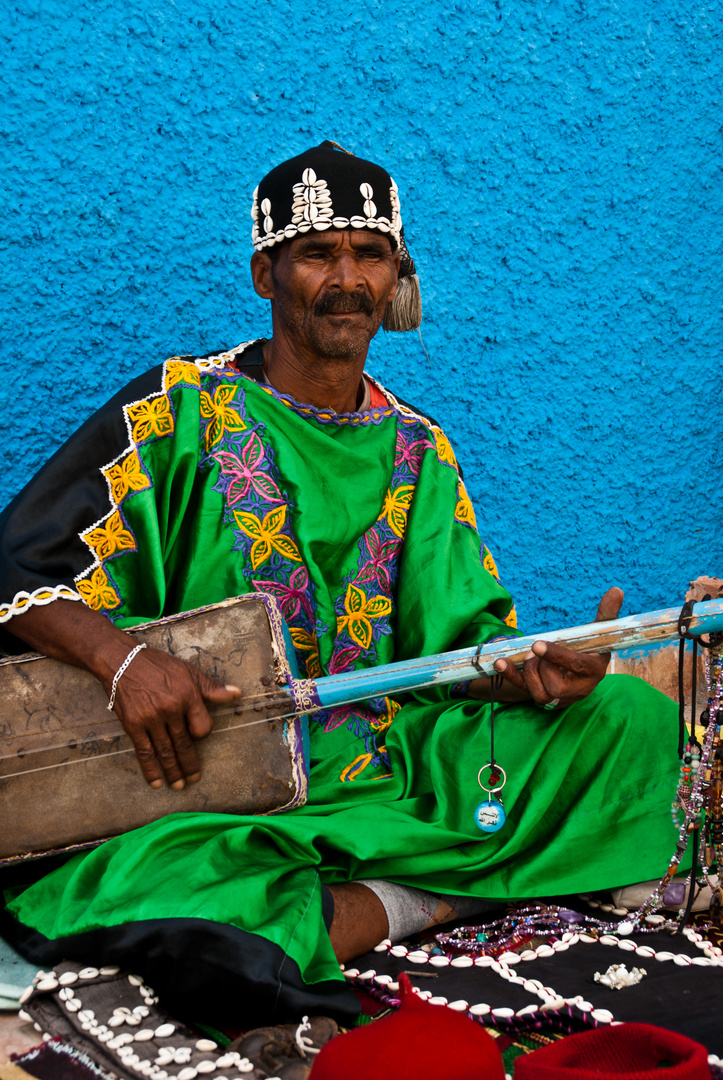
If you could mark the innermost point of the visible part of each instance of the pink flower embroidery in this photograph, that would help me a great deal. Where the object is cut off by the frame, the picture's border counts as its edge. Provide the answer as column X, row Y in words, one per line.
column 410, row 453
column 291, row 597
column 343, row 659
column 375, row 569
column 246, row 472
column 337, row 717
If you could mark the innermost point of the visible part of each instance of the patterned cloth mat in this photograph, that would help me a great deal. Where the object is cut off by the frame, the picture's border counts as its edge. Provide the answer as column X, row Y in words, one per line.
column 545, row 989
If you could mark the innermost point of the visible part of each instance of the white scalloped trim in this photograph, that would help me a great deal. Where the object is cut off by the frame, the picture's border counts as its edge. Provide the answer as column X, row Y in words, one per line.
column 39, row 598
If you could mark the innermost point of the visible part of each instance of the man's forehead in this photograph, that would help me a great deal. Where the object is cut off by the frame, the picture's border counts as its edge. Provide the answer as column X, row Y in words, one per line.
column 336, row 238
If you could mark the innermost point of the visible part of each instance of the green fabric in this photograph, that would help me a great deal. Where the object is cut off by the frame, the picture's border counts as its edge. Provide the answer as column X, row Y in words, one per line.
column 588, row 790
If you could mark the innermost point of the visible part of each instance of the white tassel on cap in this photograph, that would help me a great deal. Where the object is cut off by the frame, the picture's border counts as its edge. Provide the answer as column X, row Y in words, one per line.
column 405, row 310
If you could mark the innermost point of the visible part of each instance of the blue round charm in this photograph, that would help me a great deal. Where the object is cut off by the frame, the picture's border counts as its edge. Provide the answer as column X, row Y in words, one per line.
column 490, row 816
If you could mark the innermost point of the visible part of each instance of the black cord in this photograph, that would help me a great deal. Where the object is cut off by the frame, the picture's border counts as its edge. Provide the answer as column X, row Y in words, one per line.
column 495, row 684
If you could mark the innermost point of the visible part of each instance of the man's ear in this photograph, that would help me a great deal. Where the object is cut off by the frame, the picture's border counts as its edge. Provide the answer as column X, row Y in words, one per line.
column 261, row 275
column 396, row 261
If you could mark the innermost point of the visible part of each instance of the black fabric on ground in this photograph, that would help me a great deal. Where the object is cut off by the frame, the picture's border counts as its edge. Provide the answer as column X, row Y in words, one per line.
column 195, row 967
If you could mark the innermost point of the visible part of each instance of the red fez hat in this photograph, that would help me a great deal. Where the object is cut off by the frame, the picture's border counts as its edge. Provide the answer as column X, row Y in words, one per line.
column 418, row 1040
column 633, row 1051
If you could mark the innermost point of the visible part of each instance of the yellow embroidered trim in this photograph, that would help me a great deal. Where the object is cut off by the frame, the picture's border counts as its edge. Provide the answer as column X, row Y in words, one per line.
column 464, row 511
column 308, row 643
column 396, row 507
column 357, row 766
column 150, row 419
column 126, row 475
column 98, row 592
column 359, row 612
column 181, row 371
column 222, row 416
column 445, row 453
column 106, row 540
column 265, row 534
column 510, row 618
column 44, row 595
column 382, row 723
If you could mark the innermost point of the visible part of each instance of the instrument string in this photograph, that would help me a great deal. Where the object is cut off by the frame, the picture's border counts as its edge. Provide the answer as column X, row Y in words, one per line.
column 125, row 750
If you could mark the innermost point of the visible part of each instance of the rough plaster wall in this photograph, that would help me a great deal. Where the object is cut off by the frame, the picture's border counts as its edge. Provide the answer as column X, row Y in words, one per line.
column 560, row 174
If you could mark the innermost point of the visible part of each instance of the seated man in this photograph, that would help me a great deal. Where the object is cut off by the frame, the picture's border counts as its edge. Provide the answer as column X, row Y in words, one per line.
column 281, row 466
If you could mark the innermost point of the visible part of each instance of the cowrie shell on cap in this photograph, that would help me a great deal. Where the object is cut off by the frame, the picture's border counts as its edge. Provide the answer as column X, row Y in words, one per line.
column 206, row 1046
column 165, row 1030
column 68, row 978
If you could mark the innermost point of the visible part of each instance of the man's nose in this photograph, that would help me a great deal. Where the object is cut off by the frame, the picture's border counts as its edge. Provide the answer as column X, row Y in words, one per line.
column 346, row 274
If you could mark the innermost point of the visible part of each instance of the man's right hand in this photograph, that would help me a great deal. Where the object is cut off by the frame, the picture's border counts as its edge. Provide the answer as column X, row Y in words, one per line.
column 160, row 700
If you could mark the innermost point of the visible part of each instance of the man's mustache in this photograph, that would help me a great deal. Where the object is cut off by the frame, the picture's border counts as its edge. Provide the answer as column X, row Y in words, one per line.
column 344, row 303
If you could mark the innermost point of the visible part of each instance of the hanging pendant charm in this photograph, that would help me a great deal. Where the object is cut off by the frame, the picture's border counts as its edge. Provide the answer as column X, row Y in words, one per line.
column 489, row 815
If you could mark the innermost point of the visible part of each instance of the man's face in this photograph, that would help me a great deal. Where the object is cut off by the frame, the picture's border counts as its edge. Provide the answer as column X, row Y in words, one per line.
column 329, row 289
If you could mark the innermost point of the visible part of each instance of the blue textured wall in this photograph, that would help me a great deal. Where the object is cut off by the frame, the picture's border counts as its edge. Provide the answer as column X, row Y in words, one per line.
column 560, row 174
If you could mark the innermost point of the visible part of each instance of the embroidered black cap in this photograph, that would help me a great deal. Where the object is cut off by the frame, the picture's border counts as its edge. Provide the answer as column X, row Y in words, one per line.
column 326, row 187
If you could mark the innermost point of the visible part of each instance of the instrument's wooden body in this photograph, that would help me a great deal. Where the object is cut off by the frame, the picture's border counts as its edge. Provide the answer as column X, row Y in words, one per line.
column 69, row 775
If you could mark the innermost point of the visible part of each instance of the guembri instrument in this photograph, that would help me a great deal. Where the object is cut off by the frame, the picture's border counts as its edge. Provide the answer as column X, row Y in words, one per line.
column 68, row 772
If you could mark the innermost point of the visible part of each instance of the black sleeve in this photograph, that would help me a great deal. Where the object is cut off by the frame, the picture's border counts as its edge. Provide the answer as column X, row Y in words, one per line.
column 40, row 544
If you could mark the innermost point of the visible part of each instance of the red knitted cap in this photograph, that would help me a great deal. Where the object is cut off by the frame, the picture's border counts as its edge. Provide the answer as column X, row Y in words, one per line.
column 633, row 1051
column 418, row 1040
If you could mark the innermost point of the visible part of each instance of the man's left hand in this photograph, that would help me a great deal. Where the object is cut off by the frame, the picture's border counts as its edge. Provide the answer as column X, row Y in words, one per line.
column 553, row 673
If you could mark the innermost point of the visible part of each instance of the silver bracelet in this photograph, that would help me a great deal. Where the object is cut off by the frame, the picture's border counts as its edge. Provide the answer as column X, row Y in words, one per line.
column 119, row 672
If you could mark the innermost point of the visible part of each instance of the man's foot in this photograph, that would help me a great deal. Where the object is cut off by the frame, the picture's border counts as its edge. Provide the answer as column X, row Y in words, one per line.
column 674, row 897
column 286, row 1051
